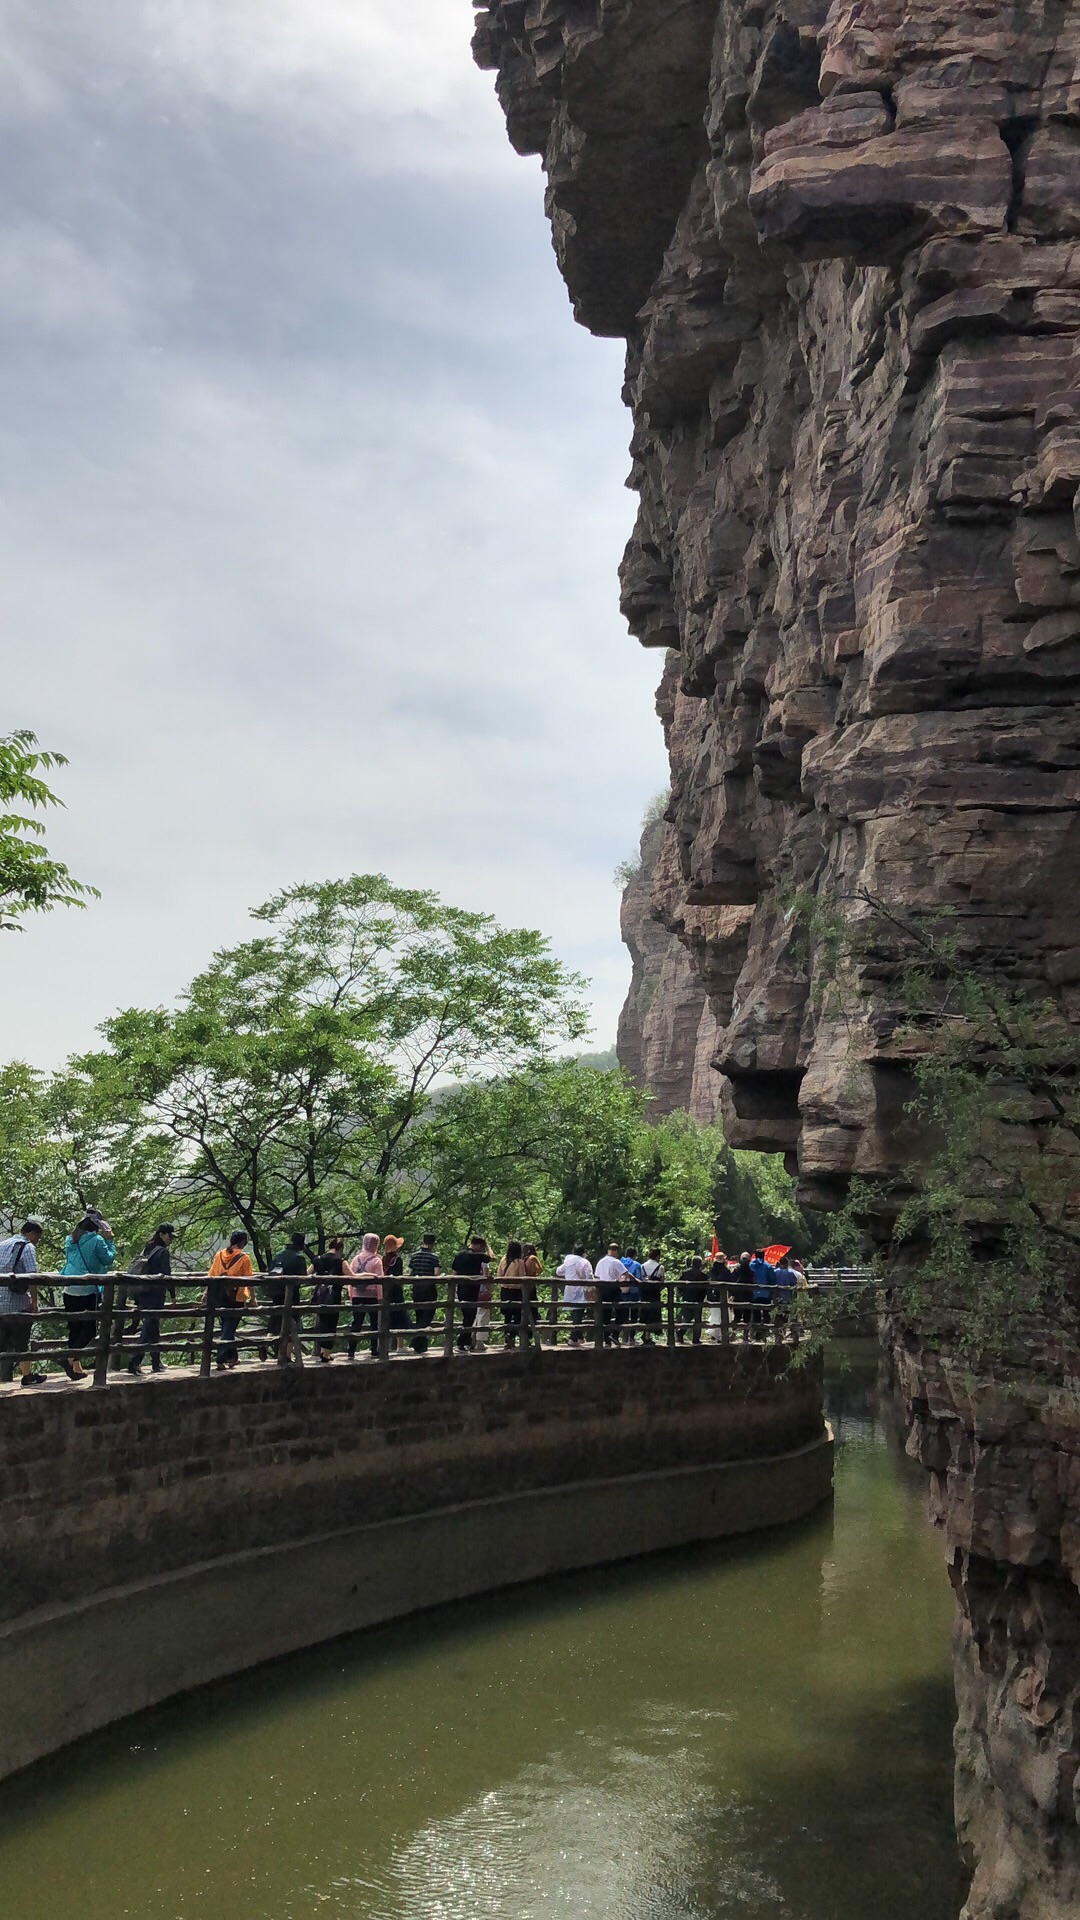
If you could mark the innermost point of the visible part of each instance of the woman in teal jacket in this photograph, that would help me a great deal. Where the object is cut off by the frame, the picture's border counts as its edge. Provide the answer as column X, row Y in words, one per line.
column 89, row 1252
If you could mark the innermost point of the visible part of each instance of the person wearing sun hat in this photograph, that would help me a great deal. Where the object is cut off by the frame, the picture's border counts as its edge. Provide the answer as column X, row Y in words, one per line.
column 394, row 1269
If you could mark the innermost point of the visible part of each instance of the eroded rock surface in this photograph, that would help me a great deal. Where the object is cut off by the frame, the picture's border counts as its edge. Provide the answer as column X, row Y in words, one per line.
column 842, row 242
column 1004, row 1461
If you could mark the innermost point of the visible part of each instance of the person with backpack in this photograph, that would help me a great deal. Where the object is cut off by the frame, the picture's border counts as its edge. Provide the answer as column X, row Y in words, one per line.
column 651, row 1311
column 330, row 1272
column 89, row 1254
column 289, row 1264
column 424, row 1270
column 18, row 1303
column 153, row 1280
column 230, row 1295
column 512, row 1277
column 627, row 1310
column 365, row 1293
column 393, row 1272
column 764, row 1275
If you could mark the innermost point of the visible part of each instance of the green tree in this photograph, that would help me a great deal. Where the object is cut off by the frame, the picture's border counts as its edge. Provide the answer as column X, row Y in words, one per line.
column 561, row 1152
column 289, row 1085
column 30, row 879
column 983, row 1228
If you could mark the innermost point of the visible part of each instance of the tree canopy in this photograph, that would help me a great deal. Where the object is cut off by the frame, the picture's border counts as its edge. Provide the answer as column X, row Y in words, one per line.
column 30, row 879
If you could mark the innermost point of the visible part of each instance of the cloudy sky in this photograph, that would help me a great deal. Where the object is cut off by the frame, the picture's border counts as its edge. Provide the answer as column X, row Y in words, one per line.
column 312, row 493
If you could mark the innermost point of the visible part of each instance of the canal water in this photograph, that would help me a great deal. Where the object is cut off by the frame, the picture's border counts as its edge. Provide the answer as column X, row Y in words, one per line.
column 761, row 1730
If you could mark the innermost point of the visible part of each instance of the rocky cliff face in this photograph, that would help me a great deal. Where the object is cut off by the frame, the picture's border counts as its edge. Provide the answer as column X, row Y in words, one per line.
column 841, row 239
column 842, row 242
column 1004, row 1460
column 667, row 1029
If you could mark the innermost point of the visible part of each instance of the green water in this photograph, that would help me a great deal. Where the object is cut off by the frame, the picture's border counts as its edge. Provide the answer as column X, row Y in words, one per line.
column 760, row 1730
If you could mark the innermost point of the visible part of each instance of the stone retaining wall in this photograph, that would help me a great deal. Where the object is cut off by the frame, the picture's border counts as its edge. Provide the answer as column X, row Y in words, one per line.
column 157, row 1535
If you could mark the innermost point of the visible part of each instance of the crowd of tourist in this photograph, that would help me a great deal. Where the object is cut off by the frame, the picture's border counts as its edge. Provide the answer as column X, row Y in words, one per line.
column 338, row 1299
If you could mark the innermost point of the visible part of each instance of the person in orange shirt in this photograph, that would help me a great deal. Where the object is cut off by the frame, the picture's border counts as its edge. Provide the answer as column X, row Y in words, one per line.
column 230, row 1271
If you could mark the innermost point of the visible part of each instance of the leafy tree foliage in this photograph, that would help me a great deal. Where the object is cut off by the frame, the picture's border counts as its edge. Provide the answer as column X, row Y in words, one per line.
column 983, row 1230
column 30, row 879
column 288, row 1086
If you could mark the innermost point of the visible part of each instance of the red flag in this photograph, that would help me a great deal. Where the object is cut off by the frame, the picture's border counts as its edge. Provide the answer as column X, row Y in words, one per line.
column 774, row 1255
column 715, row 1248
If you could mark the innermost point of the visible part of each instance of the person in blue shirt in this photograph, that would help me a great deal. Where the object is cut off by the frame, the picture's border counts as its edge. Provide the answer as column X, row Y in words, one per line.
column 89, row 1254
column 785, row 1281
column 627, row 1310
column 764, row 1275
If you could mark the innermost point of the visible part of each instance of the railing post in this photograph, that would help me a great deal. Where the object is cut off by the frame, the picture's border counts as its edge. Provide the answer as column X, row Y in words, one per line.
column 448, row 1323
column 104, row 1339
column 120, row 1301
column 290, row 1327
column 383, row 1348
column 525, row 1323
column 696, row 1319
column 206, row 1350
column 553, row 1316
column 671, row 1315
column 599, row 1307
column 725, row 1316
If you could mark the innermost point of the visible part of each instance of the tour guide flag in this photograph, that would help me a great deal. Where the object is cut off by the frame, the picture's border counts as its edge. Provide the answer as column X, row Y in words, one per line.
column 715, row 1248
column 774, row 1255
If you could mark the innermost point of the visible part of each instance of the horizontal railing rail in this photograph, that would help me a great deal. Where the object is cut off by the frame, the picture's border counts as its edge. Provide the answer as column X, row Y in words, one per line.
column 454, row 1314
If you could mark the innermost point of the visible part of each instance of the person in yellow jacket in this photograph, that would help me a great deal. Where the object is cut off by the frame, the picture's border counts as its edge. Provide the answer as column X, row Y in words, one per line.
column 230, row 1271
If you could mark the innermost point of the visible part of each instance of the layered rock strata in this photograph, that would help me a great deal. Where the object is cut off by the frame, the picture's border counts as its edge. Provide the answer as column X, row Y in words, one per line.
column 842, row 242
column 1004, row 1461
column 841, row 239
column 667, row 1029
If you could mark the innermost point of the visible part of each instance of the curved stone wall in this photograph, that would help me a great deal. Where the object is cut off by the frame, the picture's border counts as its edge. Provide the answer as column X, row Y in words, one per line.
column 161, row 1535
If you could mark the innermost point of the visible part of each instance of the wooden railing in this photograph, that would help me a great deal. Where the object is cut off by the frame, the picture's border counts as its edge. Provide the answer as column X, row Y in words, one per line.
column 295, row 1331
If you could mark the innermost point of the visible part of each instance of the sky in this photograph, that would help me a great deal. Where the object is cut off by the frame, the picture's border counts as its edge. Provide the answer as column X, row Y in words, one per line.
column 311, row 494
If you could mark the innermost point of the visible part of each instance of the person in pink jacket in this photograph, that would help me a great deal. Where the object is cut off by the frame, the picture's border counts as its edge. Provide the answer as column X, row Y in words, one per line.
column 365, row 1293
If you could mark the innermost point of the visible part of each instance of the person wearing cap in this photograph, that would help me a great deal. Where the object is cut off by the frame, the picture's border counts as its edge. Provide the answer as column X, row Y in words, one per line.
column 89, row 1254
column 153, row 1283
column 18, row 1301
column 394, row 1269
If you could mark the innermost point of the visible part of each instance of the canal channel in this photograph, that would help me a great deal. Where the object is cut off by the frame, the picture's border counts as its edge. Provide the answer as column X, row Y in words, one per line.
column 760, row 1729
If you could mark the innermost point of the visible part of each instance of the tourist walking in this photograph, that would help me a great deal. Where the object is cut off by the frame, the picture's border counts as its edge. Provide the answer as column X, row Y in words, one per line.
column 610, row 1276
column 153, row 1271
column 230, row 1295
column 652, row 1296
column 512, row 1276
column 424, row 1270
column 288, row 1265
column 626, row 1313
column 19, row 1301
column 534, row 1268
column 365, row 1293
column 394, row 1271
column 470, row 1268
column 330, row 1273
column 742, row 1295
column 693, row 1286
column 89, row 1254
column 763, row 1289
column 577, row 1276
column 785, row 1281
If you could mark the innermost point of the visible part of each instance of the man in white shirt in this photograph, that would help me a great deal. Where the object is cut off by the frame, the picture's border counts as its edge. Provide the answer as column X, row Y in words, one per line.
column 18, row 1300
column 577, row 1276
column 610, row 1280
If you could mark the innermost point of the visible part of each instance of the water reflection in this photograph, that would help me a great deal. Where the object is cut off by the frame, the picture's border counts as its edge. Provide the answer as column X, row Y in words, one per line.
column 760, row 1729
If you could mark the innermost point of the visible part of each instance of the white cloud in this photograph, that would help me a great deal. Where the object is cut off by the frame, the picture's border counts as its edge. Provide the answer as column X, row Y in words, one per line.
column 313, row 502
column 391, row 79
